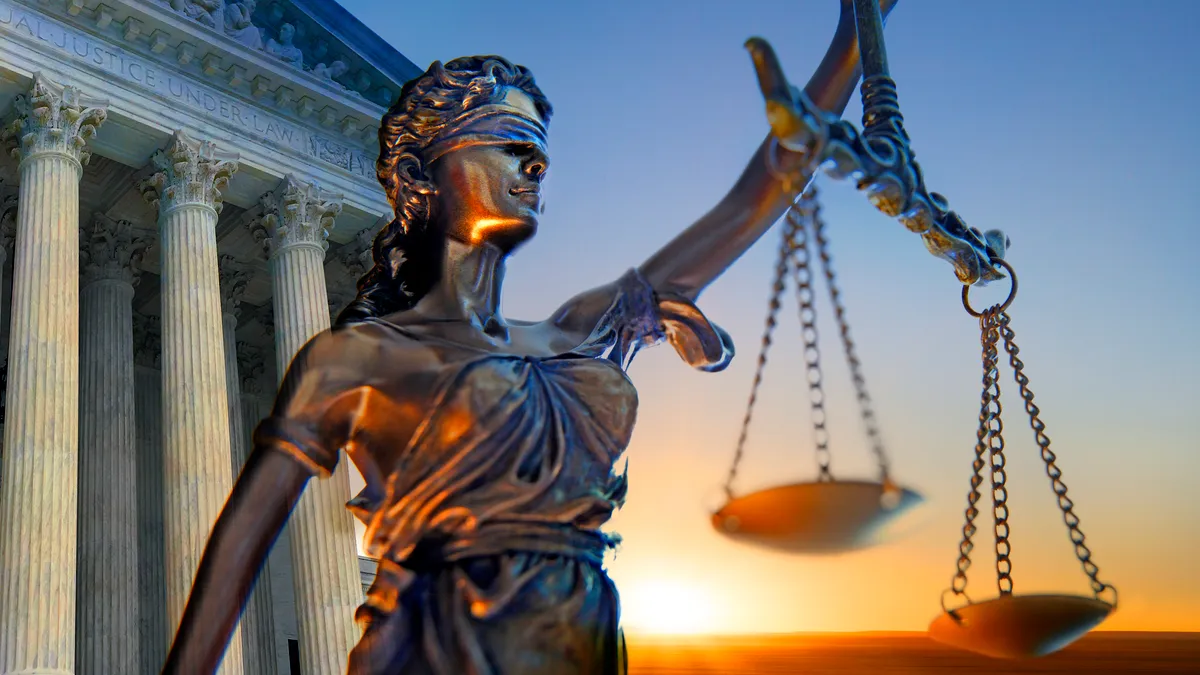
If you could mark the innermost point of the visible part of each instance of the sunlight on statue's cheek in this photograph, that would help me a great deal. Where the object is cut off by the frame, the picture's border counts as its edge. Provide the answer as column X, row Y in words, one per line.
column 477, row 207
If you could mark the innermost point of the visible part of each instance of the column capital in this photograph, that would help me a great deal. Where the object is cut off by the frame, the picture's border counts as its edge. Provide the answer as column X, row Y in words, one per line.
column 251, row 366
column 356, row 256
column 296, row 214
column 147, row 340
column 54, row 119
column 235, row 277
column 189, row 172
column 111, row 249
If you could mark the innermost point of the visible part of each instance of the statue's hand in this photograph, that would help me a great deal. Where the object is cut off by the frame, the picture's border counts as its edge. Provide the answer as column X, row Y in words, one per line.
column 792, row 123
column 885, row 6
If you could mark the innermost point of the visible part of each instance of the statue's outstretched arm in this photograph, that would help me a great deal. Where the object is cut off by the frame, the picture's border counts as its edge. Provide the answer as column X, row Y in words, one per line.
column 698, row 255
column 266, row 491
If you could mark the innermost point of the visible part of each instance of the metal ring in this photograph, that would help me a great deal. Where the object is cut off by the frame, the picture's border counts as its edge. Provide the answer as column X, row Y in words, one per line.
column 789, row 182
column 1108, row 587
column 1012, row 292
column 953, row 613
column 773, row 165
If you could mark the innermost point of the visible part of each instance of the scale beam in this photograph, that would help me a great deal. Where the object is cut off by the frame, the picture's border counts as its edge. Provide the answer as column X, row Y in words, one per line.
column 868, row 21
column 880, row 158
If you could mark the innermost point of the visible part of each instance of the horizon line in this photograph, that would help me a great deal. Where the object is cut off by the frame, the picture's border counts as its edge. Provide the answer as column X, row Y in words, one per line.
column 635, row 634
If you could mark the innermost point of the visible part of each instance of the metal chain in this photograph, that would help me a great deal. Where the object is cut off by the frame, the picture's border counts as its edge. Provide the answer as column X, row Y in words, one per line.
column 988, row 409
column 777, row 288
column 801, row 215
column 1043, row 441
column 870, row 422
column 999, row 477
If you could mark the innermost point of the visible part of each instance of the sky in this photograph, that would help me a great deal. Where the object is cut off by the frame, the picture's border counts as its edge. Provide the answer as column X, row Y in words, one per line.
column 1066, row 124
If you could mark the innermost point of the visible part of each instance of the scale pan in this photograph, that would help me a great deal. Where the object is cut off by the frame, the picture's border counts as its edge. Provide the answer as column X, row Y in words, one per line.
column 1020, row 626
column 816, row 518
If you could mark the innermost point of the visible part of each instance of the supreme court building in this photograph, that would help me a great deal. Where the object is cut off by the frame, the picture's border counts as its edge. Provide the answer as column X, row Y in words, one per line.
column 187, row 195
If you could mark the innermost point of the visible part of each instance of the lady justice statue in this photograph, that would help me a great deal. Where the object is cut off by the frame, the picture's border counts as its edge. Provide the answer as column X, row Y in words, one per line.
column 488, row 444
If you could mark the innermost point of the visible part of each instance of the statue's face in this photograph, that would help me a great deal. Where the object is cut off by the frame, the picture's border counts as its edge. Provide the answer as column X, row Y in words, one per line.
column 490, row 194
column 286, row 33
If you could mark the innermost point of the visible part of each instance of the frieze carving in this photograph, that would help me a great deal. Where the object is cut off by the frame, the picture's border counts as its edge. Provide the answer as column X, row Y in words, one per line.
column 189, row 172
column 285, row 49
column 332, row 71
column 239, row 23
column 208, row 12
column 111, row 249
column 54, row 119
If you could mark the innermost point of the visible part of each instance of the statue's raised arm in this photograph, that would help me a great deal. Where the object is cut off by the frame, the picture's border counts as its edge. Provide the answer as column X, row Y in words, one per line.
column 699, row 254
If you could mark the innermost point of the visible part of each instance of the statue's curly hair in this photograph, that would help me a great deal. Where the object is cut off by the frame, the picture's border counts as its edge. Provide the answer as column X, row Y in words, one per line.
column 407, row 252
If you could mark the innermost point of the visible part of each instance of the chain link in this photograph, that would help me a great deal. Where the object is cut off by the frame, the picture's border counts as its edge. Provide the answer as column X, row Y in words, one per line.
column 870, row 423
column 995, row 429
column 777, row 288
column 988, row 410
column 801, row 216
column 1043, row 441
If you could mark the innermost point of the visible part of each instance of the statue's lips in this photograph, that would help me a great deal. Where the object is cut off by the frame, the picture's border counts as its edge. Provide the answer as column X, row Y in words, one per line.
column 529, row 196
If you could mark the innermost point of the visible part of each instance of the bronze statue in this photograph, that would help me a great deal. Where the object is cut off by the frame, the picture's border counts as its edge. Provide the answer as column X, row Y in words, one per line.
column 488, row 445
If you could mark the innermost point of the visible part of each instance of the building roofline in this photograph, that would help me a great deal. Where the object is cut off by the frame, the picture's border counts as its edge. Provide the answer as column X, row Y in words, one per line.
column 370, row 47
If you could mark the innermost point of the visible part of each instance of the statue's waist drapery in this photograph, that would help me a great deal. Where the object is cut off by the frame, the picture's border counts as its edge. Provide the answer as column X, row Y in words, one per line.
column 434, row 555
column 498, row 538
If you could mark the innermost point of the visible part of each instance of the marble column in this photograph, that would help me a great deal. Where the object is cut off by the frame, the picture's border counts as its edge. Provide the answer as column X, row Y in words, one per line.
column 152, row 590
column 257, row 624
column 256, row 405
column 196, row 453
column 107, row 583
column 296, row 219
column 38, row 497
column 8, row 233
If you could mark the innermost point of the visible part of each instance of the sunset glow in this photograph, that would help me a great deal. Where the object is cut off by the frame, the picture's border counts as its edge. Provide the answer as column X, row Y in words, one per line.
column 668, row 607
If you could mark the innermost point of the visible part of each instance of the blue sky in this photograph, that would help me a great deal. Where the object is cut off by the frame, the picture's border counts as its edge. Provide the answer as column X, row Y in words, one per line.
column 1067, row 124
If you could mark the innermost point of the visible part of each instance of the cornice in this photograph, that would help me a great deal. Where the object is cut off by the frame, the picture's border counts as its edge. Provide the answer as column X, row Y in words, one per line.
column 156, row 32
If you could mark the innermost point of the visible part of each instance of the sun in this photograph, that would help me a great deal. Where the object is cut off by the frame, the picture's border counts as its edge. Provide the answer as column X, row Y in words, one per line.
column 667, row 607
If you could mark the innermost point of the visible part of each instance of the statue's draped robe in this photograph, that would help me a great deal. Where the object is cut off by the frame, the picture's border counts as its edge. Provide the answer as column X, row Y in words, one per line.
column 487, row 525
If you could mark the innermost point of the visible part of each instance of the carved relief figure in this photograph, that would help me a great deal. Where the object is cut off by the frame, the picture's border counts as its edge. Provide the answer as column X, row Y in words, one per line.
column 489, row 446
column 208, row 12
column 332, row 71
column 284, row 50
column 240, row 26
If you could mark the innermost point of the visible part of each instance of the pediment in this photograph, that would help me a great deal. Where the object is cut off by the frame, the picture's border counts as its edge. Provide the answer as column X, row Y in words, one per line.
column 327, row 41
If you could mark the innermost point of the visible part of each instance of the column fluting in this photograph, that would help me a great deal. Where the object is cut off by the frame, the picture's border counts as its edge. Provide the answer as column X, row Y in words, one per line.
column 257, row 623
column 107, row 583
column 39, row 491
column 196, row 452
column 295, row 223
column 155, row 634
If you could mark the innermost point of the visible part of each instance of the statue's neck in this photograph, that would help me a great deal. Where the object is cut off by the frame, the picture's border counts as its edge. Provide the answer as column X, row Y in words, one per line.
column 468, row 289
